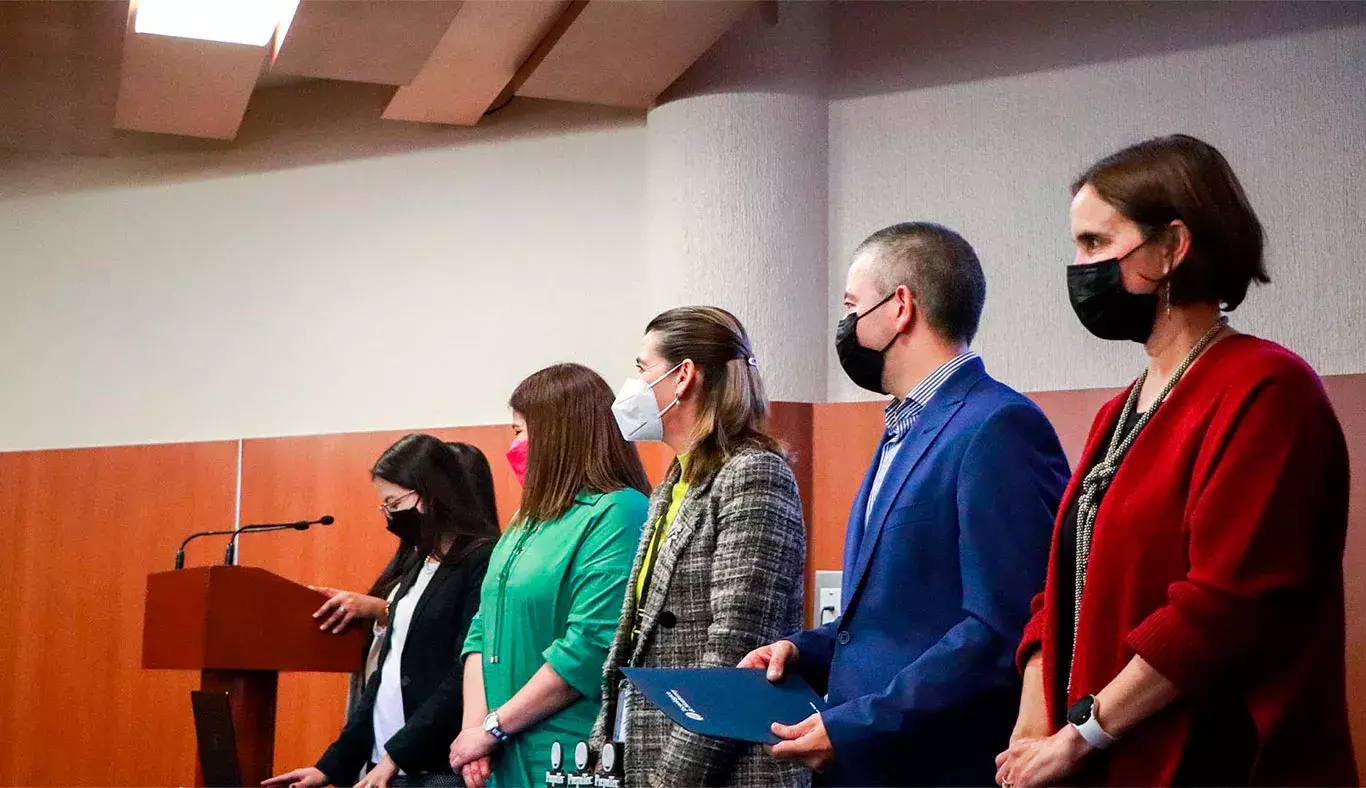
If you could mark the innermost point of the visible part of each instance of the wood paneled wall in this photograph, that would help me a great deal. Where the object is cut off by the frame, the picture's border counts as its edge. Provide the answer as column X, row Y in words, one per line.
column 79, row 533
column 1348, row 393
column 81, row 529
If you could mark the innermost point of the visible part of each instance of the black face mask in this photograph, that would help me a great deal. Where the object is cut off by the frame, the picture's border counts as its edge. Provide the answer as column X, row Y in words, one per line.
column 862, row 364
column 1103, row 305
column 406, row 524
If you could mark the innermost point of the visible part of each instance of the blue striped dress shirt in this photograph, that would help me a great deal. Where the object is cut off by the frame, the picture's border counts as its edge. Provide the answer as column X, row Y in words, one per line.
column 901, row 415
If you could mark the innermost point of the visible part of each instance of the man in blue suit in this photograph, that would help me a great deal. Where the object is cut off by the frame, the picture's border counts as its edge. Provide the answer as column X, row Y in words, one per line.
column 947, row 541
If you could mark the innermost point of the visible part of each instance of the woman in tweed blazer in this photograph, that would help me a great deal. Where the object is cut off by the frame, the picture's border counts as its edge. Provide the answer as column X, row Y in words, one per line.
column 719, row 570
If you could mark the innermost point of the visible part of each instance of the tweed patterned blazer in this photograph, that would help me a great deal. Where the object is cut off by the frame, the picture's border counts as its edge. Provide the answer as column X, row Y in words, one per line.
column 728, row 578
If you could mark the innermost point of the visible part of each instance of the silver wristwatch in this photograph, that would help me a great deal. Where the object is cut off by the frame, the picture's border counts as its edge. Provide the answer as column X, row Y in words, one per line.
column 495, row 730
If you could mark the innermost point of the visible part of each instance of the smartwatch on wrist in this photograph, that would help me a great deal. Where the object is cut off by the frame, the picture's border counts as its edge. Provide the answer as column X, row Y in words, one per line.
column 1082, row 716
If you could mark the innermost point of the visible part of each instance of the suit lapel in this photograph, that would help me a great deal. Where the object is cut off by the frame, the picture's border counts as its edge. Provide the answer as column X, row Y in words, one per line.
column 619, row 654
column 443, row 574
column 655, row 511
column 659, row 505
column 409, row 579
column 405, row 584
column 670, row 550
column 940, row 411
column 913, row 448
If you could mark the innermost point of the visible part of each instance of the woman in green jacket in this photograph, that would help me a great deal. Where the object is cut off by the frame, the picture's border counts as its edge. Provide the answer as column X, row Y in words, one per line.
column 549, row 603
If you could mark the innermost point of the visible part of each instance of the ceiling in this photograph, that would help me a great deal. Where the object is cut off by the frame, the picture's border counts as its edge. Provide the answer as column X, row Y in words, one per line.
column 77, row 70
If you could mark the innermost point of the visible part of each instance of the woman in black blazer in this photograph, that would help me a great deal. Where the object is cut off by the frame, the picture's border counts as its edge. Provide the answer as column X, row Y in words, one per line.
column 411, row 707
column 344, row 607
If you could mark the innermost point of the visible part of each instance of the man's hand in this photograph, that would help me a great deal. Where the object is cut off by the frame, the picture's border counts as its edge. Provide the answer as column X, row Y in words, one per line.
column 806, row 742
column 775, row 657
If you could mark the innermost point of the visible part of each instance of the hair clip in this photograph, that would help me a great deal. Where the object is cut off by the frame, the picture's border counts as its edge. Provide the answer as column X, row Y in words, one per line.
column 753, row 362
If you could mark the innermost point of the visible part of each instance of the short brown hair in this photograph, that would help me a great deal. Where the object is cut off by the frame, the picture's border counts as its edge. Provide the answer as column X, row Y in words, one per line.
column 1180, row 177
column 733, row 407
column 941, row 270
column 575, row 444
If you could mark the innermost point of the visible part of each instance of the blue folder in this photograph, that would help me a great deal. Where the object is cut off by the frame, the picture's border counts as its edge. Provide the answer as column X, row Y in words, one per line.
column 727, row 703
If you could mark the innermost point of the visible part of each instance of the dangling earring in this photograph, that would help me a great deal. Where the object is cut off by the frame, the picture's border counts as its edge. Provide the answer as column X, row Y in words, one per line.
column 1167, row 290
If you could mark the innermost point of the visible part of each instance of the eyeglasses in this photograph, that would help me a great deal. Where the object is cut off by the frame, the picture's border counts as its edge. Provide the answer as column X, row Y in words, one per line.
column 392, row 505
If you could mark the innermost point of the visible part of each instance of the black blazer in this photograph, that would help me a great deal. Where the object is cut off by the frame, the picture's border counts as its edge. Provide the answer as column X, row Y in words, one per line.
column 432, row 677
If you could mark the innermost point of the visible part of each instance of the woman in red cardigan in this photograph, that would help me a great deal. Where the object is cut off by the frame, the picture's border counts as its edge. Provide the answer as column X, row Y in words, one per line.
column 1191, row 627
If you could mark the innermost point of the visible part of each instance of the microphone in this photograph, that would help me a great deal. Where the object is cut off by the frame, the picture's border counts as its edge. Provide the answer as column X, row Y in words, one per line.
column 302, row 525
column 230, row 554
column 180, row 553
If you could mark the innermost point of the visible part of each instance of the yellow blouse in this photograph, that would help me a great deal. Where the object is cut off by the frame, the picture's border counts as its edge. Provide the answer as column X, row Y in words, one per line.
column 661, row 531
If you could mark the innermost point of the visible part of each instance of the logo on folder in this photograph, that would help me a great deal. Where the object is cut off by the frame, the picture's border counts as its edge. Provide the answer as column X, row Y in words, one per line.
column 684, row 706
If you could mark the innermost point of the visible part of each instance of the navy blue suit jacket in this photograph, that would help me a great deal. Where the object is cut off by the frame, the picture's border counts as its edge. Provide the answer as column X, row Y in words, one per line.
column 919, row 668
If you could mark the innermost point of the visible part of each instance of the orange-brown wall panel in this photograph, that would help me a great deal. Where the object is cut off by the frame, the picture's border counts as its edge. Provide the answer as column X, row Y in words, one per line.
column 844, row 437
column 1072, row 413
column 656, row 457
column 1348, row 393
column 791, row 423
column 80, row 530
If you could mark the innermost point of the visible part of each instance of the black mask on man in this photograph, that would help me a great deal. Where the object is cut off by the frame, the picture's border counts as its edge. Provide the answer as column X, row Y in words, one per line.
column 862, row 364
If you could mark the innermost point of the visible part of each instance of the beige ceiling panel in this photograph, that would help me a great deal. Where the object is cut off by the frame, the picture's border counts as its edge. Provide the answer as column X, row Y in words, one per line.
column 626, row 52
column 185, row 86
column 477, row 57
column 385, row 42
column 59, row 74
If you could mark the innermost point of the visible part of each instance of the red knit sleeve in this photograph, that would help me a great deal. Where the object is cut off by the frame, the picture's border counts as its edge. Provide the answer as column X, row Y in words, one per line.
column 1267, row 521
column 1033, row 633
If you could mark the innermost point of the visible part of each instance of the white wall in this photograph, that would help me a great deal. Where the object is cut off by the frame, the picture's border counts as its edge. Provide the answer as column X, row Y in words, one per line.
column 333, row 272
column 979, row 116
column 288, row 288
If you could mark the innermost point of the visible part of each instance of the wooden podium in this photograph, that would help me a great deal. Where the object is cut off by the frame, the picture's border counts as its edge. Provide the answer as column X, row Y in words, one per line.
column 239, row 627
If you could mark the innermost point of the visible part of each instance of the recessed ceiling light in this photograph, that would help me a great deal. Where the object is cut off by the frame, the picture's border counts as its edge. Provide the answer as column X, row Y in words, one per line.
column 250, row 22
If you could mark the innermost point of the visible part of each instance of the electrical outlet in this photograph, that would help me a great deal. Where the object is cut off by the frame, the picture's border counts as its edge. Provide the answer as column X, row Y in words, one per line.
column 827, row 605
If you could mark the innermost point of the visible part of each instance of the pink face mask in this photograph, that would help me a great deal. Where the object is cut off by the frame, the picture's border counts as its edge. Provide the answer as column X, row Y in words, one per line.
column 517, row 454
